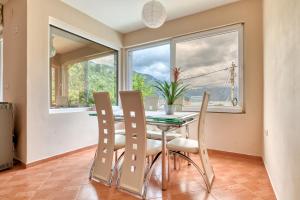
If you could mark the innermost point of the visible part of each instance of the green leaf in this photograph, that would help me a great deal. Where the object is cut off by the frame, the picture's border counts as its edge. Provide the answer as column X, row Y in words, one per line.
column 171, row 91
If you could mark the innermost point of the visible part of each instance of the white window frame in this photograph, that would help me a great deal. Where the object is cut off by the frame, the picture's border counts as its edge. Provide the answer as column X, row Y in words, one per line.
column 77, row 31
column 217, row 31
column 1, row 69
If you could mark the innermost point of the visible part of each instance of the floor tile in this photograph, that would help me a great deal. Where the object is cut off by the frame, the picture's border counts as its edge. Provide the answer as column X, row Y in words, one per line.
column 237, row 178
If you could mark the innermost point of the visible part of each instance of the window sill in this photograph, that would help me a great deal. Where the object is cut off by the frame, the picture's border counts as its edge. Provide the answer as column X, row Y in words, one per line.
column 75, row 110
column 215, row 109
column 68, row 110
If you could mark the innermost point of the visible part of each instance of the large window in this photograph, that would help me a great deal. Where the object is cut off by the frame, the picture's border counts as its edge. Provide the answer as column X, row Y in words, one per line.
column 80, row 67
column 210, row 61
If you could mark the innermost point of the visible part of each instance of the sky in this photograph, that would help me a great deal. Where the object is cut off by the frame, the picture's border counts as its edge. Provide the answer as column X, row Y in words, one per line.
column 154, row 61
column 194, row 57
column 206, row 55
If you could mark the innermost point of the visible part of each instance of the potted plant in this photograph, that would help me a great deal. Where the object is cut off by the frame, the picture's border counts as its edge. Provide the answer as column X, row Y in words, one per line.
column 171, row 91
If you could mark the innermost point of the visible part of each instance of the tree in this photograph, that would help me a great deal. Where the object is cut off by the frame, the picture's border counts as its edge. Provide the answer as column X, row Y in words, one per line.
column 140, row 85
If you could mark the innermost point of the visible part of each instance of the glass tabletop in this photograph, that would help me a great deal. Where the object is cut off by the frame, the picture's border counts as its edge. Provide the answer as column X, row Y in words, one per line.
column 159, row 117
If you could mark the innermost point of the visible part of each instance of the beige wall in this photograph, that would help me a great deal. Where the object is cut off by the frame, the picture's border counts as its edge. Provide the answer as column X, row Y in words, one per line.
column 52, row 134
column 282, row 96
column 240, row 133
column 14, row 71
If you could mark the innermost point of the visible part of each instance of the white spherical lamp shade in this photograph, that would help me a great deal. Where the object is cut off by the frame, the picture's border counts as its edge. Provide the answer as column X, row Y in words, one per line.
column 154, row 14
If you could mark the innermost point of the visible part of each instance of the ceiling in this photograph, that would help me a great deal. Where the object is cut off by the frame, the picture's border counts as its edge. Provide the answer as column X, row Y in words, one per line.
column 65, row 42
column 125, row 15
column 64, row 45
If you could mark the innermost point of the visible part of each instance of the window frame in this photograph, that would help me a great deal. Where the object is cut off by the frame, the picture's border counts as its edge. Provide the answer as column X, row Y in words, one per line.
column 202, row 34
column 80, row 33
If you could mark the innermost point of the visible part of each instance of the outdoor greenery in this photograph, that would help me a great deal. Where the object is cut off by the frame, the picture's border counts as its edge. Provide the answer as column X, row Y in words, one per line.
column 87, row 77
column 139, row 83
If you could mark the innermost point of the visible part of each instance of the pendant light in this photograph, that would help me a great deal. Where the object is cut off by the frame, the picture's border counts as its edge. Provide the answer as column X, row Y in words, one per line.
column 154, row 14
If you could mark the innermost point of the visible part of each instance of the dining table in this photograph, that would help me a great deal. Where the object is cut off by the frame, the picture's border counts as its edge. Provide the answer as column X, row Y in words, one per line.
column 165, row 123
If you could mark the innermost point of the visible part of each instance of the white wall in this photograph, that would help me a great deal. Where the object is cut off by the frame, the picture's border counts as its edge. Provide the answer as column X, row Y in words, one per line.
column 52, row 134
column 282, row 96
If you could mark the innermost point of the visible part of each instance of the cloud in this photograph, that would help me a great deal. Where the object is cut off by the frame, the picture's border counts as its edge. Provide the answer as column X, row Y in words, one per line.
column 154, row 61
column 195, row 57
column 149, row 56
column 207, row 51
column 158, row 70
column 208, row 55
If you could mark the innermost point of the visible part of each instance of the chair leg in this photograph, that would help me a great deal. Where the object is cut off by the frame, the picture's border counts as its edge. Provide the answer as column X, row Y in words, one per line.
column 179, row 162
column 188, row 155
column 148, row 175
column 174, row 156
column 116, row 156
column 208, row 187
column 92, row 167
column 116, row 168
column 168, row 155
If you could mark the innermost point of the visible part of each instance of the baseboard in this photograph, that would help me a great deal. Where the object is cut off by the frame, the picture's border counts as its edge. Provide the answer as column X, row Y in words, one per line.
column 239, row 155
column 270, row 178
column 210, row 151
column 28, row 165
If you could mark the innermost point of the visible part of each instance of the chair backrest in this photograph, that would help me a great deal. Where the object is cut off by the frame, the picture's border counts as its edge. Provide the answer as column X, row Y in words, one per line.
column 104, row 158
column 201, row 139
column 151, row 103
column 61, row 101
column 133, row 168
column 178, row 104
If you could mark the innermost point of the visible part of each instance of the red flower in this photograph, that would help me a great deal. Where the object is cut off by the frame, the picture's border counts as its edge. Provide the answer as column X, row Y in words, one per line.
column 176, row 73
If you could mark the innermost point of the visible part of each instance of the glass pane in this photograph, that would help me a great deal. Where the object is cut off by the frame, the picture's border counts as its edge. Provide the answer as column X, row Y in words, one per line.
column 210, row 64
column 150, row 65
column 80, row 67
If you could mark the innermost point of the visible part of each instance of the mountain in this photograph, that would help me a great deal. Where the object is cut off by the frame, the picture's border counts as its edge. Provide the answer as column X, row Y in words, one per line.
column 149, row 80
column 216, row 93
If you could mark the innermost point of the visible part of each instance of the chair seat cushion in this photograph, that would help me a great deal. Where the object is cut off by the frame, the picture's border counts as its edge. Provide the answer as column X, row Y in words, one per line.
column 153, row 147
column 184, row 145
column 119, row 141
column 157, row 135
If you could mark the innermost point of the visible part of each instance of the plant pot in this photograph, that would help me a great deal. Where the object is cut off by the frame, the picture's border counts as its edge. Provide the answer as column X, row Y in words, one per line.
column 169, row 109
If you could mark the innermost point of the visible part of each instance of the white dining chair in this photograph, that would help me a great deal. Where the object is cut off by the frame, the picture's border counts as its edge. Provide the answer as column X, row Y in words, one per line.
column 180, row 146
column 61, row 101
column 135, row 172
column 108, row 142
column 151, row 103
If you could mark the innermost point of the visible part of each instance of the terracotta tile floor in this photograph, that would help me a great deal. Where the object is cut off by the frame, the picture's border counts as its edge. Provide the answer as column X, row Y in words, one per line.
column 67, row 178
